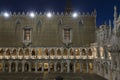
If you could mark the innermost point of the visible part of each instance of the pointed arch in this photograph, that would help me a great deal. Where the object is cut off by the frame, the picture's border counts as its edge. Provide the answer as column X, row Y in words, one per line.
column 65, row 52
column 21, row 52
column 1, row 52
column 46, row 53
column 52, row 52
column 19, row 67
column 14, row 52
column 17, row 25
column 27, row 52
column 13, row 67
column 8, row 52
column 83, row 52
column 90, row 52
column 33, row 52
column 26, row 67
column 81, row 22
column 58, row 52
column 38, row 26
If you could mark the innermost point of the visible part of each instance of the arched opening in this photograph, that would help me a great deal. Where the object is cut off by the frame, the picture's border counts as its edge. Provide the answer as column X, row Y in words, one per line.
column 58, row 52
column 8, row 53
column 33, row 53
column 102, row 71
column 46, row 53
column 7, row 67
column 77, row 52
column 101, row 52
column 71, row 67
column 83, row 52
column 65, row 52
column 40, row 52
column 84, row 67
column 106, row 68
column 77, row 67
column 58, row 67
column 65, row 67
column 71, row 52
column 89, row 52
column 14, row 52
column 33, row 66
column 19, row 67
column 90, row 66
column 27, row 52
column 21, row 52
column 52, row 67
column 52, row 52
column 1, row 67
column 46, row 66
column 26, row 67
column 39, row 67
column 1, row 52
column 13, row 66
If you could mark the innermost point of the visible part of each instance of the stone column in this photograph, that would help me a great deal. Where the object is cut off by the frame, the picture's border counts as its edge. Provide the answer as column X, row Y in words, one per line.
column 68, row 66
column 55, row 67
column 55, row 53
column 42, row 66
column 87, row 67
column 36, row 53
column 61, row 67
column 24, row 53
column 48, row 66
column 68, row 53
column 30, row 53
column 10, row 66
column 4, row 54
column 16, row 66
column 36, row 67
column 23, row 66
column 74, row 54
column 80, row 67
column 17, row 54
column 3, row 66
column 42, row 53
column 62, row 53
column 74, row 68
column 29, row 66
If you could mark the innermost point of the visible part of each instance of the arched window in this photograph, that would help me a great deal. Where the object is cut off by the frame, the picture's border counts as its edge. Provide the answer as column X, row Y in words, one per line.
column 58, row 52
column 81, row 22
column 33, row 52
column 90, row 52
column 83, row 52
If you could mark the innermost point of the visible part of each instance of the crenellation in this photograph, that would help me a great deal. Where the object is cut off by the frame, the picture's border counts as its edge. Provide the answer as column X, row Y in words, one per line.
column 14, row 13
column 53, row 13
column 88, row 14
column 58, row 14
column 23, row 13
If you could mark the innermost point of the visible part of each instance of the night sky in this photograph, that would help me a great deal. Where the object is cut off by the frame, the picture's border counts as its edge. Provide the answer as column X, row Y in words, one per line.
column 104, row 8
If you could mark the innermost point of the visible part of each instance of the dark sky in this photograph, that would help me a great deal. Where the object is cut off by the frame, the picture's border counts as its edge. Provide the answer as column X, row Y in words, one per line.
column 104, row 7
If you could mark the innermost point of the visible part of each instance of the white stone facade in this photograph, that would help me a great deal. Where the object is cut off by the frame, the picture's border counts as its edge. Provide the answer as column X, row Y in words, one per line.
column 108, row 46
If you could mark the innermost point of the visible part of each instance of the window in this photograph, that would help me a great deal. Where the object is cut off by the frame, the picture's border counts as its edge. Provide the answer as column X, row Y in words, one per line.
column 67, row 35
column 27, row 34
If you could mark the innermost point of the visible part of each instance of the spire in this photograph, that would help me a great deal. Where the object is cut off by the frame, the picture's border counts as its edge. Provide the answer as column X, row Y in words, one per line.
column 115, row 13
column 68, row 8
column 110, row 28
column 115, row 18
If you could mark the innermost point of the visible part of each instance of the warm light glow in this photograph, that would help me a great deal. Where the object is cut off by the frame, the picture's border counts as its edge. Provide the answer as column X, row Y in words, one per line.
column 49, row 15
column 76, row 50
column 6, row 14
column 74, row 15
column 32, row 14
